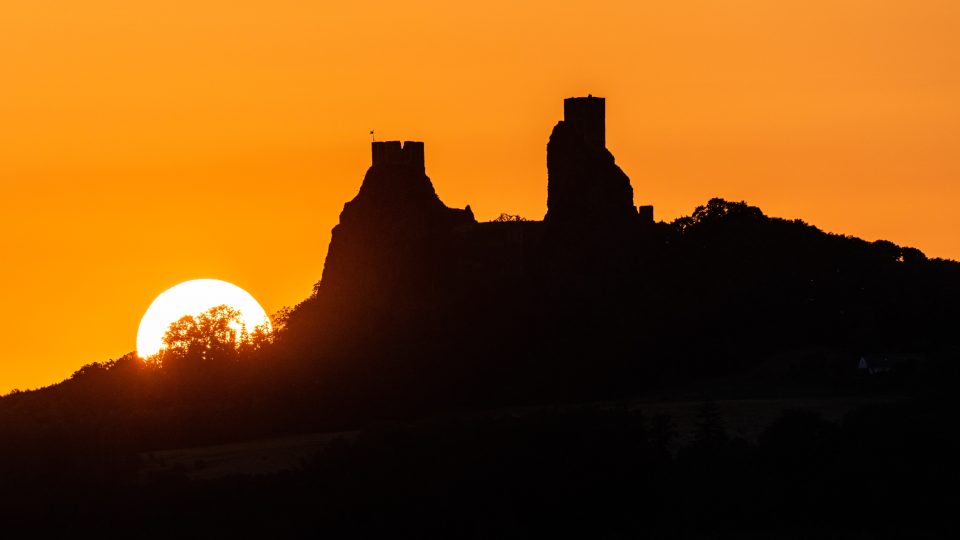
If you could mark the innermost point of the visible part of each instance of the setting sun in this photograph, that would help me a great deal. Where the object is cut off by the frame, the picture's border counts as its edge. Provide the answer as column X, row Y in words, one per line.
column 193, row 298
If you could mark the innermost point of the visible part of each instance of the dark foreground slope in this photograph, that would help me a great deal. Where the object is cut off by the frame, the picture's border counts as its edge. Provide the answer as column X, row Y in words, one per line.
column 885, row 471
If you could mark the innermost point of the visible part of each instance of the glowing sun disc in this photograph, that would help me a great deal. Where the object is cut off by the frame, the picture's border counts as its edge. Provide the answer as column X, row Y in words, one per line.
column 193, row 298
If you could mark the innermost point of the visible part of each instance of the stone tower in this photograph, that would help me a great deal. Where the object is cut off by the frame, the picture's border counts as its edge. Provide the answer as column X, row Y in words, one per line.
column 588, row 114
column 393, row 154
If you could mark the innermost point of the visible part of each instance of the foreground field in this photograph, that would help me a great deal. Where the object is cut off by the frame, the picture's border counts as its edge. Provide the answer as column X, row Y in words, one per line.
column 742, row 418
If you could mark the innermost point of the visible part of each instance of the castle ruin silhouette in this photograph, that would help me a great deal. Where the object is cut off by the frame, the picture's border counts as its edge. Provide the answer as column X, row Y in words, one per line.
column 398, row 243
column 584, row 182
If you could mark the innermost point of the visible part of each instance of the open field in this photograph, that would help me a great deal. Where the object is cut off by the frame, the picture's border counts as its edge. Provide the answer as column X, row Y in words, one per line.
column 747, row 418
column 263, row 456
column 744, row 418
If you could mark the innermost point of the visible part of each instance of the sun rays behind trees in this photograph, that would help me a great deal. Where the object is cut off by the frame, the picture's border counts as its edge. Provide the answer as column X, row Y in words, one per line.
column 216, row 336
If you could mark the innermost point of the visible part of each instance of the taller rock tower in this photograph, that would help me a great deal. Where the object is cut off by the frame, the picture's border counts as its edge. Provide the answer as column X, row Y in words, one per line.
column 585, row 185
column 589, row 116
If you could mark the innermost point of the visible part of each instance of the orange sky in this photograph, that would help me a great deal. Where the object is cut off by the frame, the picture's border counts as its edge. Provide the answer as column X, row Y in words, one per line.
column 150, row 142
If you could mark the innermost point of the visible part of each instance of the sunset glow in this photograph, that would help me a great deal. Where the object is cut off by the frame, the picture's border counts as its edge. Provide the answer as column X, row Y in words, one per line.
column 193, row 298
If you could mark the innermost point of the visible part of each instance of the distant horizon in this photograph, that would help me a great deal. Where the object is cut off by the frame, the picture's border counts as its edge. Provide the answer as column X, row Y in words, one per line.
column 146, row 146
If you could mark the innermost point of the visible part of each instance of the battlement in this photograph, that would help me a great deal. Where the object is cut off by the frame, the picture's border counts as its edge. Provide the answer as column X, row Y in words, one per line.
column 588, row 115
column 409, row 154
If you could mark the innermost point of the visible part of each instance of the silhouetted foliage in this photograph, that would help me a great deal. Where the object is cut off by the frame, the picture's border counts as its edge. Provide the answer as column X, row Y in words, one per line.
column 218, row 335
column 508, row 218
column 719, row 211
column 214, row 335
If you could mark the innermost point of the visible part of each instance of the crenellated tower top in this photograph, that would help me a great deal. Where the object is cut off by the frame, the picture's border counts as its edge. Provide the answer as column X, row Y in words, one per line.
column 588, row 116
column 393, row 153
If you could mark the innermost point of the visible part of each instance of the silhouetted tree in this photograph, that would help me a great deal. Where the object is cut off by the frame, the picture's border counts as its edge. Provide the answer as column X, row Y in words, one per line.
column 215, row 335
column 719, row 210
column 508, row 218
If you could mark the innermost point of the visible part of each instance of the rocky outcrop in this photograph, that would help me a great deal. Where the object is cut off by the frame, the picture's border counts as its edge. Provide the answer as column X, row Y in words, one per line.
column 585, row 185
column 396, row 194
column 387, row 236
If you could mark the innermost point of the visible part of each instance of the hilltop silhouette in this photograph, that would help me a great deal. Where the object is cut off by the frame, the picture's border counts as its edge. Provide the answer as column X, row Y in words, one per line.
column 598, row 300
column 499, row 369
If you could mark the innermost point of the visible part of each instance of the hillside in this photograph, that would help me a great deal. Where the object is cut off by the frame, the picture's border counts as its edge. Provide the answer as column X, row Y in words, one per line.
column 421, row 308
column 422, row 313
